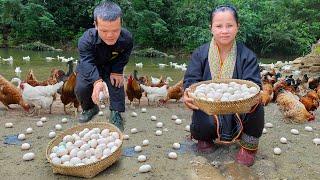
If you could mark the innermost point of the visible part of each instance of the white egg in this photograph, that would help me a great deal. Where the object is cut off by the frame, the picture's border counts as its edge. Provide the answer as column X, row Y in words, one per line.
column 134, row 114
column 187, row 128
column 65, row 158
column 268, row 125
column 58, row 127
column 134, row 130
column 178, row 121
column 142, row 158
column 62, row 151
column 21, row 136
column 174, row 117
column 137, row 149
column 78, row 143
column 25, row 146
column 67, row 138
column 102, row 106
column 39, row 123
column 145, row 142
column 74, row 152
column 64, row 120
column 75, row 160
column 316, row 141
column 110, row 145
column 94, row 136
column 107, row 152
column 29, row 130
column 52, row 134
column 81, row 154
column 54, row 149
column 283, row 140
column 93, row 159
column 113, row 149
column 173, row 155
column 53, row 155
column 8, row 125
column 158, row 132
column 176, row 146
column 98, row 153
column 143, row 110
column 56, row 160
column 117, row 142
column 100, row 113
column 105, row 132
column 308, row 128
column 294, row 131
column 43, row 119
column 153, row 118
column 145, row 168
column 115, row 135
column 85, row 147
column 159, row 125
column 277, row 151
column 28, row 156
column 126, row 137
column 93, row 143
column 264, row 131
column 224, row 98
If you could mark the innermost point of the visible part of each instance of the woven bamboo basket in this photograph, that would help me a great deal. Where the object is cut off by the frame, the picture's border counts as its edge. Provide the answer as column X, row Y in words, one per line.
column 226, row 107
column 90, row 170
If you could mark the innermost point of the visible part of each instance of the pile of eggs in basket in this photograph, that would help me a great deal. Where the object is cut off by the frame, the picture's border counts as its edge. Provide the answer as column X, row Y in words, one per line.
column 85, row 147
column 224, row 92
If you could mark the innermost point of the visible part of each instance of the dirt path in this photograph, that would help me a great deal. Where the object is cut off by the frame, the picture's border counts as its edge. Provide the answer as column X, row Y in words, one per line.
column 299, row 158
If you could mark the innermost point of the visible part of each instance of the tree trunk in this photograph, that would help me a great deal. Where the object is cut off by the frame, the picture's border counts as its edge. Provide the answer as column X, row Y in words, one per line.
column 5, row 36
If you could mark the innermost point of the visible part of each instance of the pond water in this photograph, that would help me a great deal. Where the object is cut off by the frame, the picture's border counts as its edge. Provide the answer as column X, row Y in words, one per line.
column 42, row 67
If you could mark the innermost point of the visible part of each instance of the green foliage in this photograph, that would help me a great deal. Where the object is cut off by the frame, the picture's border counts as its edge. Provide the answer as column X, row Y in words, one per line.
column 36, row 46
column 269, row 27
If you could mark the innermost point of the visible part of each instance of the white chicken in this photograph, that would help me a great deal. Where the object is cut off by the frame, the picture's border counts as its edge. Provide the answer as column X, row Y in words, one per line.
column 154, row 94
column 41, row 97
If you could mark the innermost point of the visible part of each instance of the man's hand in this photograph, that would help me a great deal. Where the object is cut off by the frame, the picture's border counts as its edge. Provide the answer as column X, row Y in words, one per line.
column 97, row 88
column 189, row 101
column 116, row 79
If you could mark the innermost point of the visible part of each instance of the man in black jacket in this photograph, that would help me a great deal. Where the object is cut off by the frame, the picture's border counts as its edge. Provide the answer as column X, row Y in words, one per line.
column 104, row 51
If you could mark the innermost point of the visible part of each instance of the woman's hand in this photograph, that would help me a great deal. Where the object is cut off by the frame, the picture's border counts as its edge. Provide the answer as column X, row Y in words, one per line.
column 189, row 101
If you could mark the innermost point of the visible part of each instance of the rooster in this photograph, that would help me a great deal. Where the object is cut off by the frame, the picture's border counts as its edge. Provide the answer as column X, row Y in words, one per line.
column 310, row 101
column 133, row 89
column 41, row 97
column 293, row 108
column 266, row 93
column 155, row 93
column 67, row 92
column 10, row 94
column 175, row 92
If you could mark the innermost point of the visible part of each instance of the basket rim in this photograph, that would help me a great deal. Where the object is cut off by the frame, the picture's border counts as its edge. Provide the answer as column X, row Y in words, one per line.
column 193, row 86
column 63, row 133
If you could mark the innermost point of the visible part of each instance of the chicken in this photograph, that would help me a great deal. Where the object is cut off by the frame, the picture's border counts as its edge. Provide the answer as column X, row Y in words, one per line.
column 175, row 92
column 154, row 94
column 32, row 80
column 266, row 93
column 133, row 89
column 313, row 83
column 41, row 97
column 10, row 94
column 67, row 92
column 318, row 91
column 293, row 108
column 310, row 101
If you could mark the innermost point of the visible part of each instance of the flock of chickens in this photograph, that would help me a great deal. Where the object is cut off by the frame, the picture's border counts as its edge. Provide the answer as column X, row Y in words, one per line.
column 296, row 97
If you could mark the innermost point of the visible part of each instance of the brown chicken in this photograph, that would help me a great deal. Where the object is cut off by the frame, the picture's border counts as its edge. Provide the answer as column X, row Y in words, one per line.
column 175, row 92
column 318, row 91
column 67, row 92
column 10, row 94
column 133, row 89
column 32, row 80
column 266, row 93
column 293, row 108
column 310, row 101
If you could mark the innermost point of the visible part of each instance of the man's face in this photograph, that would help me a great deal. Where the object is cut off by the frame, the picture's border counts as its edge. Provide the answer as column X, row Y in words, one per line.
column 109, row 31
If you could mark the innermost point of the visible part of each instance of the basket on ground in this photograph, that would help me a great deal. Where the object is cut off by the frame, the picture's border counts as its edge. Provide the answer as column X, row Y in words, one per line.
column 90, row 170
column 226, row 107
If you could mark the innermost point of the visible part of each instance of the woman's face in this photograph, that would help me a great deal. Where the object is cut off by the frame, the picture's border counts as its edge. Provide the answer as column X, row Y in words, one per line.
column 224, row 27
